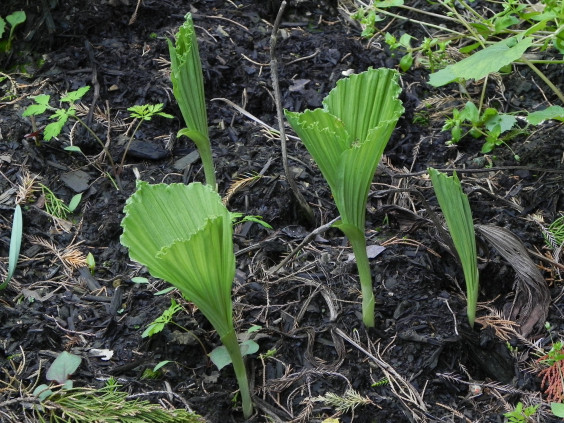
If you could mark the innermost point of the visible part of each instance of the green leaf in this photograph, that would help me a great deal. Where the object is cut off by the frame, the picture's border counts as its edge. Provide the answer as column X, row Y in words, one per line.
column 183, row 234
column 15, row 245
column 557, row 409
column 551, row 112
column 480, row 64
column 42, row 104
column 139, row 279
column 456, row 209
column 221, row 358
column 54, row 128
column 42, row 392
column 16, row 18
column 64, row 365
column 73, row 148
column 504, row 121
column 2, row 26
column 74, row 202
column 74, row 96
column 406, row 61
column 161, row 365
column 470, row 113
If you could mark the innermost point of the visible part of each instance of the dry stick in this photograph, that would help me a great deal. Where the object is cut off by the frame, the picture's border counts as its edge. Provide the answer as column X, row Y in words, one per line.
column 304, row 206
column 307, row 239
column 410, row 393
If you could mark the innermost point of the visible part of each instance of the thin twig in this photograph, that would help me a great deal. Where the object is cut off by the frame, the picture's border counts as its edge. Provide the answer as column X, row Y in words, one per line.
column 304, row 206
column 307, row 239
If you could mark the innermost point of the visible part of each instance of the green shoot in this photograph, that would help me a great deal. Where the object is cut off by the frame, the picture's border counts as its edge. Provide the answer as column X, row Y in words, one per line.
column 91, row 262
column 456, row 209
column 239, row 218
column 143, row 112
column 164, row 319
column 520, row 414
column 188, row 88
column 183, row 234
column 346, row 139
column 14, row 19
column 57, row 207
column 15, row 245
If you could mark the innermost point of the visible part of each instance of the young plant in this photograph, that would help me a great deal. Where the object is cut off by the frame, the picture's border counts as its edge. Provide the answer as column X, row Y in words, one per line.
column 346, row 139
column 164, row 319
column 61, row 116
column 490, row 124
column 14, row 19
column 183, row 234
column 144, row 113
column 520, row 414
column 57, row 207
column 15, row 245
column 188, row 88
column 456, row 209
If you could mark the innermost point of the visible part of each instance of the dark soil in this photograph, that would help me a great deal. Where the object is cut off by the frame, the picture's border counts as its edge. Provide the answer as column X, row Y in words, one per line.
column 438, row 368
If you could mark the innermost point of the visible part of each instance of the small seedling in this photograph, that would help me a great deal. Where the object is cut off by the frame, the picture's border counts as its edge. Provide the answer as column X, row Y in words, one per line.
column 14, row 19
column 456, row 209
column 164, row 319
column 490, row 124
column 144, row 113
column 57, row 207
column 64, row 365
column 239, row 218
column 15, row 245
column 91, row 263
column 61, row 116
column 520, row 414
column 220, row 356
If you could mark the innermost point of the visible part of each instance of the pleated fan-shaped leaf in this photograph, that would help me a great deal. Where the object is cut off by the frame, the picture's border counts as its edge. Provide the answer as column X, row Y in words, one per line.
column 458, row 215
column 365, row 100
column 187, row 80
column 346, row 138
column 183, row 234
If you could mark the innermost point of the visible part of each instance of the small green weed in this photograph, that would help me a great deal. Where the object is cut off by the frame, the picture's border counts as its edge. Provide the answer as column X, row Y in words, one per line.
column 14, row 19
column 520, row 414
column 57, row 207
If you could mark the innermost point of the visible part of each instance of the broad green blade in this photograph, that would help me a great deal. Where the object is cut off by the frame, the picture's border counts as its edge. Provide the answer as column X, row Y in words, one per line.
column 187, row 79
column 206, row 272
column 456, row 209
column 364, row 100
column 480, row 64
column 356, row 171
column 326, row 139
column 159, row 215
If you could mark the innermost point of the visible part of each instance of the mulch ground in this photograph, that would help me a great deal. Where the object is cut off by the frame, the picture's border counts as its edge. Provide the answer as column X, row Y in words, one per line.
column 422, row 362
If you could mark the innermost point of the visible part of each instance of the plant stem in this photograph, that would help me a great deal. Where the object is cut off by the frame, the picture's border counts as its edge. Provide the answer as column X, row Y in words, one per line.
column 207, row 161
column 542, row 76
column 128, row 145
column 108, row 155
column 359, row 249
column 232, row 345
